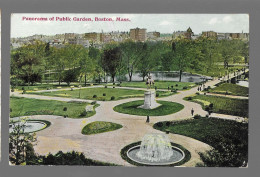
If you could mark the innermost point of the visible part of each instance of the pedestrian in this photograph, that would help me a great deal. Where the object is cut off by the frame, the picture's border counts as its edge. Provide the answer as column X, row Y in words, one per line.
column 192, row 111
column 147, row 119
column 198, row 88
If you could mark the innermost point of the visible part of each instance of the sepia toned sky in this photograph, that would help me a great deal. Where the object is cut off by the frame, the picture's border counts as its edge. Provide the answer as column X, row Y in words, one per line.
column 163, row 23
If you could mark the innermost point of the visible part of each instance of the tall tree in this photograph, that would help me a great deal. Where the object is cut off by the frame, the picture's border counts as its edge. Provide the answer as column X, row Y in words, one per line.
column 131, row 54
column 111, row 61
column 182, row 55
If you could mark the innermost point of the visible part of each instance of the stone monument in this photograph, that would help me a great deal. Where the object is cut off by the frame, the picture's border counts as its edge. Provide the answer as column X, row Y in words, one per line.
column 149, row 96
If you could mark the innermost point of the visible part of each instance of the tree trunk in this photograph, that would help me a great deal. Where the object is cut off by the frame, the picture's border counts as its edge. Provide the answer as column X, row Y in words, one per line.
column 113, row 78
column 180, row 75
column 130, row 76
column 85, row 81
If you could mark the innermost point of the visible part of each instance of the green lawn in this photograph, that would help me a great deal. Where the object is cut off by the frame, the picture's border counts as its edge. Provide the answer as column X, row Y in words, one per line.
column 89, row 93
column 230, row 138
column 160, row 84
column 224, row 105
column 215, row 70
column 29, row 106
column 100, row 127
column 165, row 108
column 232, row 89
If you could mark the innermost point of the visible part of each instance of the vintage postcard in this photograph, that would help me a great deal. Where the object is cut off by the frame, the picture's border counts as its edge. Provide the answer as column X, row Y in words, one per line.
column 129, row 90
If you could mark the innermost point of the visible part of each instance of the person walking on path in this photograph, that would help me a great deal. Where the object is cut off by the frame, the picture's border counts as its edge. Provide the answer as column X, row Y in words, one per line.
column 192, row 111
column 148, row 119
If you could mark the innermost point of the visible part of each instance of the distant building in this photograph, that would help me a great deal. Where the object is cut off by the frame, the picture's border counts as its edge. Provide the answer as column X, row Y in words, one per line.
column 138, row 34
column 94, row 37
column 69, row 35
column 210, row 34
column 153, row 35
column 183, row 34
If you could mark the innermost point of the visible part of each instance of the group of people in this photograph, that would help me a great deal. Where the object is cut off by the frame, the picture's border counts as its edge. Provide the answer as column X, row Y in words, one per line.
column 201, row 87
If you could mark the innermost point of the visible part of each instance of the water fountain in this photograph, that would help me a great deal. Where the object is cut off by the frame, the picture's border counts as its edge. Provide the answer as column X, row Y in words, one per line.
column 155, row 149
column 28, row 127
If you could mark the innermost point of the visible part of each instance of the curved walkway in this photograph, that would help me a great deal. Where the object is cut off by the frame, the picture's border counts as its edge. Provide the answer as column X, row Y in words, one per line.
column 65, row 134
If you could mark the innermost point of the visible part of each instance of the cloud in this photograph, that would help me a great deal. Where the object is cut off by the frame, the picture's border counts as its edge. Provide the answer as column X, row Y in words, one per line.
column 165, row 22
column 213, row 21
column 227, row 19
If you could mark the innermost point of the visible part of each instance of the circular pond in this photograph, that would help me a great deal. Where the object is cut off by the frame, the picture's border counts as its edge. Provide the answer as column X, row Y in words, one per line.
column 29, row 126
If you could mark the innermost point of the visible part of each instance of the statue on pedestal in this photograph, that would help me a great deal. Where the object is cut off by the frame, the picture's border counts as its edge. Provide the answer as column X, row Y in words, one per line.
column 149, row 82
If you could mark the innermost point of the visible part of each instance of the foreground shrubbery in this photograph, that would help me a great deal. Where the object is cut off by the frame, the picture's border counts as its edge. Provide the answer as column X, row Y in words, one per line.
column 228, row 138
column 61, row 158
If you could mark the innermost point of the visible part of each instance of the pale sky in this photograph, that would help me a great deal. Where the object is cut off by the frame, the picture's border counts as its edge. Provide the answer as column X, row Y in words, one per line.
column 163, row 23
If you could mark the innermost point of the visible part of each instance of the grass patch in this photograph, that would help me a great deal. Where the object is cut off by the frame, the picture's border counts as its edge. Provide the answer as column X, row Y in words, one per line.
column 165, row 108
column 224, row 105
column 30, row 106
column 160, row 84
column 232, row 89
column 126, row 148
column 220, row 134
column 100, row 127
column 101, row 94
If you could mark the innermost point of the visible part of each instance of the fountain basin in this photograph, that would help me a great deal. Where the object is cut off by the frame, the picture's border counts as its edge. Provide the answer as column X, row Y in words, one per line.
column 177, row 156
column 30, row 126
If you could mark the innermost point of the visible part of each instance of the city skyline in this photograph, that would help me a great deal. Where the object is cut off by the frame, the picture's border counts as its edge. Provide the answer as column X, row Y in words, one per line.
column 163, row 23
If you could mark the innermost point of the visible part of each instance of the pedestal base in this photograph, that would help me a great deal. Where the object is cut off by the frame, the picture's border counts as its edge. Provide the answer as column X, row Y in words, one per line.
column 149, row 100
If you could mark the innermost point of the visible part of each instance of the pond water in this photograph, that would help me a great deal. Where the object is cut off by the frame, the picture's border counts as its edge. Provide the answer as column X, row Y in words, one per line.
column 167, row 76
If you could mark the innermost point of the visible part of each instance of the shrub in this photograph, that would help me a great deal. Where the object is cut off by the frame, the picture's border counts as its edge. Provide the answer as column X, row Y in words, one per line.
column 197, row 116
column 189, row 98
column 211, row 105
column 105, row 86
column 157, row 94
column 155, row 88
column 94, row 96
column 65, row 109
column 104, row 94
column 176, row 85
column 12, row 90
column 197, row 93
column 93, row 102
column 112, row 97
column 209, row 87
column 22, row 88
column 168, row 124
column 113, row 87
column 24, row 91
column 168, row 88
column 185, row 87
column 11, row 109
column 84, row 113
column 207, row 108
column 159, row 124
column 114, row 83
column 172, row 86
